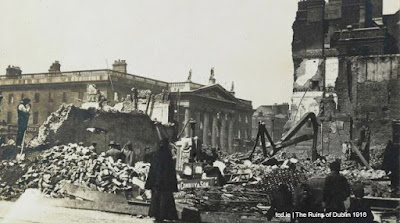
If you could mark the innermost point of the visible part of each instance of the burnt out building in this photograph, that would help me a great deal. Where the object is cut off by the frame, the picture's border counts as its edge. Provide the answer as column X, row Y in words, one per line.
column 274, row 116
column 346, row 57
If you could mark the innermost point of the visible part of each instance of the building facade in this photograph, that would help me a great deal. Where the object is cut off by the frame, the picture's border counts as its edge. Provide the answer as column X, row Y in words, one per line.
column 222, row 120
column 215, row 109
column 49, row 90
column 274, row 116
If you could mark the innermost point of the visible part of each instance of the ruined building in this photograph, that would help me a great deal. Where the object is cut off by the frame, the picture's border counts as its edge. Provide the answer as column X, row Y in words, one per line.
column 346, row 57
column 274, row 116
column 223, row 120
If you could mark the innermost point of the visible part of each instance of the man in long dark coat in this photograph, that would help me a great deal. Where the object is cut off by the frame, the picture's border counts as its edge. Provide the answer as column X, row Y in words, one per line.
column 336, row 191
column 391, row 164
column 162, row 182
column 23, row 110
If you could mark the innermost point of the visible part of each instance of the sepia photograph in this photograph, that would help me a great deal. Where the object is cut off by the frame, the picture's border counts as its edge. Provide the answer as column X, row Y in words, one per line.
column 212, row 111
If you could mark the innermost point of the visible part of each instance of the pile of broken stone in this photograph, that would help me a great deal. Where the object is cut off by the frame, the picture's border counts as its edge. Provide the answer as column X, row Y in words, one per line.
column 266, row 175
column 78, row 165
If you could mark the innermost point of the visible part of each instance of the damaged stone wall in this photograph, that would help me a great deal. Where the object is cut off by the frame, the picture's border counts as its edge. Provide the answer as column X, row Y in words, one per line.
column 368, row 88
column 121, row 127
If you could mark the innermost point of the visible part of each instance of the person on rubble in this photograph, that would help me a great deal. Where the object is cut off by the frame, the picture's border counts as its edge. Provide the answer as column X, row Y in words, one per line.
column 306, row 200
column 23, row 110
column 148, row 156
column 114, row 152
column 93, row 146
column 162, row 182
column 336, row 191
column 391, row 164
column 359, row 205
column 129, row 154
column 282, row 201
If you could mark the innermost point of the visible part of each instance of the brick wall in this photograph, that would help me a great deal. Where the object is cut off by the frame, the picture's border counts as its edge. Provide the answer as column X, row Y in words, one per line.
column 369, row 88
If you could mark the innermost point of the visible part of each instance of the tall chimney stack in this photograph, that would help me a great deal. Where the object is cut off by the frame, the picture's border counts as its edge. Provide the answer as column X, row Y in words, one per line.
column 55, row 67
column 13, row 71
column 120, row 66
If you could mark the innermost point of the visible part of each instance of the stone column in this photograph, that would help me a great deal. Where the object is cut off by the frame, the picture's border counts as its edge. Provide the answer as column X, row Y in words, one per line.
column 222, row 137
column 198, row 123
column 230, row 135
column 214, row 131
column 187, row 117
column 206, row 122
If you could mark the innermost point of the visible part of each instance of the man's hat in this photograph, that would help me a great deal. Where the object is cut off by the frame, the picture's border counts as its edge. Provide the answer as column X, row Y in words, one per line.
column 26, row 100
column 112, row 143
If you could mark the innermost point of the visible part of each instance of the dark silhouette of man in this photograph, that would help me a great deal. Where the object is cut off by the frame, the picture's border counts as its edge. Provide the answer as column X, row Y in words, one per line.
column 282, row 201
column 391, row 164
column 306, row 200
column 336, row 191
column 115, row 152
column 23, row 110
column 162, row 182
column 359, row 205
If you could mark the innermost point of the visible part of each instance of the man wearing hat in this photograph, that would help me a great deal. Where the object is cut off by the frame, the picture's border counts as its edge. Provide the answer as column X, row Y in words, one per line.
column 23, row 110
column 115, row 152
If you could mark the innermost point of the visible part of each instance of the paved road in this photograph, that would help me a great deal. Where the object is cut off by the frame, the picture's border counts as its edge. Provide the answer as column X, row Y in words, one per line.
column 30, row 209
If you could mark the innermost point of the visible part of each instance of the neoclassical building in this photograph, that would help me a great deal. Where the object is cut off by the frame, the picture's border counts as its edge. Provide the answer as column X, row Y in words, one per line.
column 224, row 121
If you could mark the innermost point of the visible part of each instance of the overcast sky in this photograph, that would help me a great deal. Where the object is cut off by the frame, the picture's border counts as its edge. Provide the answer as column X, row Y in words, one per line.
column 247, row 41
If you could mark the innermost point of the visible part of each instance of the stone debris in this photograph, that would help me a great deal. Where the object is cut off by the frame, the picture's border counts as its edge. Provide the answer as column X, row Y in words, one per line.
column 53, row 122
column 252, row 196
column 76, row 165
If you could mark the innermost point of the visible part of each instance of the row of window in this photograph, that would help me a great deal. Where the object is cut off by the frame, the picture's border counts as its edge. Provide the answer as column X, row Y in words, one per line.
column 36, row 98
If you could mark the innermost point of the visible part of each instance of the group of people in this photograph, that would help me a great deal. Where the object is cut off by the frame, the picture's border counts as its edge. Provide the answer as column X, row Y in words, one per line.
column 322, row 196
column 127, row 154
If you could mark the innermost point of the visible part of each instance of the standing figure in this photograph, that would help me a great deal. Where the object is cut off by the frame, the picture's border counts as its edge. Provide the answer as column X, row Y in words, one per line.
column 336, row 191
column 114, row 152
column 148, row 156
column 162, row 182
column 391, row 164
column 359, row 207
column 306, row 200
column 282, row 201
column 129, row 154
column 23, row 110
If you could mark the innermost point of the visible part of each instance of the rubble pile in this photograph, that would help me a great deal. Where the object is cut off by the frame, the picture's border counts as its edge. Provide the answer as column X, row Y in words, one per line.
column 254, row 195
column 53, row 122
column 353, row 173
column 230, row 198
column 79, row 165
column 250, row 197
column 10, row 172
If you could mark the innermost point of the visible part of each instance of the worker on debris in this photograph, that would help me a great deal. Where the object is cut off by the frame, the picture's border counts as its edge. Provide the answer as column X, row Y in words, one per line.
column 114, row 152
column 162, row 182
column 282, row 202
column 23, row 110
column 391, row 164
column 336, row 190
column 359, row 209
column 129, row 154
column 148, row 156
column 307, row 201
column 93, row 146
